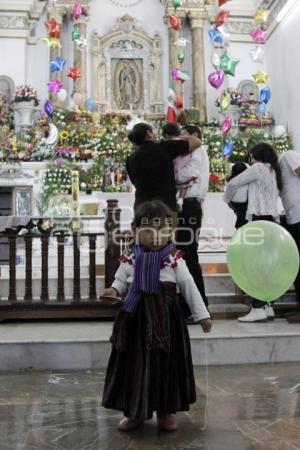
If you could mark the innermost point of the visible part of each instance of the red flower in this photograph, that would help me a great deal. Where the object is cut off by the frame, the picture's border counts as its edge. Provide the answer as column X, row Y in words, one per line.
column 214, row 178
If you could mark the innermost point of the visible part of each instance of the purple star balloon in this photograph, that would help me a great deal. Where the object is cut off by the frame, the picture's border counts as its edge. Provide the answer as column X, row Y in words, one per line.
column 54, row 86
column 259, row 35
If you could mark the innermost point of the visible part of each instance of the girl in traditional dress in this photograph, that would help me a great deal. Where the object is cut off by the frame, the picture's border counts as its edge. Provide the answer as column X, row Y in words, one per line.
column 150, row 367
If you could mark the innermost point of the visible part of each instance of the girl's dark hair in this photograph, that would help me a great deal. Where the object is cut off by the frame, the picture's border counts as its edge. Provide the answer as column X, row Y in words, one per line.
column 265, row 153
column 237, row 168
column 138, row 133
column 150, row 212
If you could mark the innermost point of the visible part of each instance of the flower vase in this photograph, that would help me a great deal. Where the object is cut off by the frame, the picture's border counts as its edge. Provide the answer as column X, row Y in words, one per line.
column 232, row 111
column 24, row 112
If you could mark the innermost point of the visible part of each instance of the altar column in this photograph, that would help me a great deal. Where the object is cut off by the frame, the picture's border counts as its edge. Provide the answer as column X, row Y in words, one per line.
column 80, row 58
column 197, row 20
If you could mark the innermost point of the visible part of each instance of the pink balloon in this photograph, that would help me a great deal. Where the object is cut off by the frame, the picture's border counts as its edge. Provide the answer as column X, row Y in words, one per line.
column 216, row 78
column 77, row 10
column 175, row 74
column 77, row 98
column 259, row 35
column 226, row 124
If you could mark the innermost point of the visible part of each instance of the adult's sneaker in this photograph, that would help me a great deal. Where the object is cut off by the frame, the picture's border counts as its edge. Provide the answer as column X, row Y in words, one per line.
column 255, row 315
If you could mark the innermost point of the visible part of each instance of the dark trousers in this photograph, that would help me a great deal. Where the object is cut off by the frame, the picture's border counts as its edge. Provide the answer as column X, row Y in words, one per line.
column 187, row 239
column 295, row 232
column 258, row 303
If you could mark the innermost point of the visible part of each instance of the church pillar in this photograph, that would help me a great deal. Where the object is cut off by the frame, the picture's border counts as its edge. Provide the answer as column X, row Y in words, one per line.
column 177, row 86
column 80, row 57
column 197, row 19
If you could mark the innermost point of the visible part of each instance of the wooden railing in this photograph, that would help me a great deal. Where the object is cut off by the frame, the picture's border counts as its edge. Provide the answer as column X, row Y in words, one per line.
column 23, row 304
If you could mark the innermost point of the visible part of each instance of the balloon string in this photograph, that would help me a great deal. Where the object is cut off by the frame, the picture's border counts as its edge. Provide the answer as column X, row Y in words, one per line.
column 206, row 386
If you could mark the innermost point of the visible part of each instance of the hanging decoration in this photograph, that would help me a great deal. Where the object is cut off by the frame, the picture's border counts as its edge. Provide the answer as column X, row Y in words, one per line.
column 77, row 10
column 261, row 77
column 51, row 42
column 225, row 102
column 216, row 78
column 259, row 35
column 54, row 86
column 175, row 22
column 48, row 108
column 257, row 54
column 228, row 64
column 261, row 16
column 228, row 149
column 57, row 64
column 222, row 18
column 226, row 125
column 181, row 42
column 74, row 72
column 181, row 56
column 215, row 60
column 76, row 34
column 176, row 4
column 81, row 43
column 216, row 36
column 265, row 95
column 53, row 28
column 261, row 109
column 222, row 2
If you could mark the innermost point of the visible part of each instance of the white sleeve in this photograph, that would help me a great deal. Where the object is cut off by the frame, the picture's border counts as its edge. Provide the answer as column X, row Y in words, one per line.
column 191, row 169
column 251, row 174
column 190, row 292
column 293, row 159
column 120, row 282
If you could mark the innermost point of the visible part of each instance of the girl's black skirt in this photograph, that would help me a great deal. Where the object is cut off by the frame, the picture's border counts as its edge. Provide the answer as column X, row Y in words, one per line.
column 150, row 367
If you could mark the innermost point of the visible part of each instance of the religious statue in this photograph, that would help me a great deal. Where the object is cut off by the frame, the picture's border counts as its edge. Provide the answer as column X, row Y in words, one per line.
column 127, row 85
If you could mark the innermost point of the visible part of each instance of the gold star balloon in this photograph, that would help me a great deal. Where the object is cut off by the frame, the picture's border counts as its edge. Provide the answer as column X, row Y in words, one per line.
column 261, row 16
column 261, row 77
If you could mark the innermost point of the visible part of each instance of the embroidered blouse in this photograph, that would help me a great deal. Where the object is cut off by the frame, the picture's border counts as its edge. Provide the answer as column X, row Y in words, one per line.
column 175, row 271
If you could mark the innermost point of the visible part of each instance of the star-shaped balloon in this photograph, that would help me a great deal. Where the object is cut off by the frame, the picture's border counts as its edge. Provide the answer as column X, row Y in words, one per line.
column 222, row 2
column 228, row 64
column 216, row 36
column 257, row 54
column 181, row 42
column 222, row 18
column 183, row 76
column 54, row 86
column 261, row 77
column 51, row 42
column 259, row 35
column 261, row 16
column 175, row 22
column 57, row 64
column 53, row 28
column 76, row 34
column 74, row 72
column 77, row 10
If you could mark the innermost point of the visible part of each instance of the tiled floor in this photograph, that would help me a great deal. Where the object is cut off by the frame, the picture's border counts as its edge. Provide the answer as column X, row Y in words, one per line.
column 249, row 407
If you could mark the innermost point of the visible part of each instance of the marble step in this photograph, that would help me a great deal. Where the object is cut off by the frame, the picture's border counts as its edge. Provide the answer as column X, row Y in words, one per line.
column 84, row 345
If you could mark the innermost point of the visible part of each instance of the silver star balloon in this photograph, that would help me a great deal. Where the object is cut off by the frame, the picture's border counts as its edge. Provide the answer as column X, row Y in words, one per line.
column 181, row 42
column 257, row 54
column 81, row 43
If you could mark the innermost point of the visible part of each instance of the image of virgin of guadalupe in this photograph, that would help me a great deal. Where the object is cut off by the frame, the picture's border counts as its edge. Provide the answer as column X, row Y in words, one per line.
column 128, row 88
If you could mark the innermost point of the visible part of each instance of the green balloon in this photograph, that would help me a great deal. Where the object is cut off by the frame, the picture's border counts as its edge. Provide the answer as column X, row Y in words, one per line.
column 228, row 64
column 263, row 260
column 75, row 34
column 181, row 56
column 176, row 3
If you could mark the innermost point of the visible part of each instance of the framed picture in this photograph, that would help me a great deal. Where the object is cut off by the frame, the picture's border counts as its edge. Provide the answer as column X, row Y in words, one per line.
column 23, row 201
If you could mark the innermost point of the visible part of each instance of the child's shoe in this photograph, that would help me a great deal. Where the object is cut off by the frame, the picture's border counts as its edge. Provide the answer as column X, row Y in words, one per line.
column 127, row 424
column 167, row 422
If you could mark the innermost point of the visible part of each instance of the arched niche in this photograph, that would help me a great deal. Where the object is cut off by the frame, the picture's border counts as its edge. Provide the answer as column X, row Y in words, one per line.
column 7, row 87
column 127, row 69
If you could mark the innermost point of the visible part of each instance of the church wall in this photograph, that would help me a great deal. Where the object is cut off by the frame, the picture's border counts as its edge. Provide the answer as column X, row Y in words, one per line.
column 13, row 59
column 283, row 64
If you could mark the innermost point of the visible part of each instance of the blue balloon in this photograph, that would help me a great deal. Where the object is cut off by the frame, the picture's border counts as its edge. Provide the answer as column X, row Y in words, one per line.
column 262, row 109
column 216, row 36
column 265, row 95
column 228, row 148
column 90, row 104
column 57, row 64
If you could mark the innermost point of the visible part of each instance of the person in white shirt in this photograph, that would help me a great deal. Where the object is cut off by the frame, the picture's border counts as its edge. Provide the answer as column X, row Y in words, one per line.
column 290, row 196
column 263, row 178
column 190, row 217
